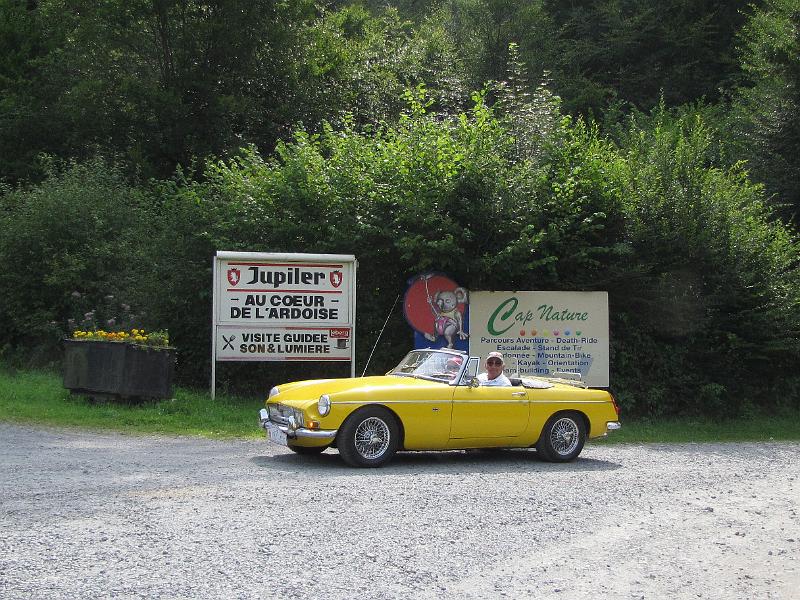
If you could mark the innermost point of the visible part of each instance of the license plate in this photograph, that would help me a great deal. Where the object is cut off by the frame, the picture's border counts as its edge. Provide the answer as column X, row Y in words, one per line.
column 276, row 435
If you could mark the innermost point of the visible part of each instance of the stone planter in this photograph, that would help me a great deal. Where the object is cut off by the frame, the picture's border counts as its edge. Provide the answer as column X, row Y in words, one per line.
column 117, row 370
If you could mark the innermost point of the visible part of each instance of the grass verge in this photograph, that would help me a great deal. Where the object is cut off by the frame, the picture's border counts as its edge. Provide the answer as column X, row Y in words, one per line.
column 38, row 397
column 768, row 427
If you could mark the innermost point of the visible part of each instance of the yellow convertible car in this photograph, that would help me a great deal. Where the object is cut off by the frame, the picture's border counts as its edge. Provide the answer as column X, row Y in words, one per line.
column 433, row 400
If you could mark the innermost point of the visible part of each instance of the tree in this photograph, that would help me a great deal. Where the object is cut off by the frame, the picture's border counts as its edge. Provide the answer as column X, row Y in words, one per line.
column 634, row 51
column 26, row 42
column 767, row 110
column 606, row 53
column 157, row 83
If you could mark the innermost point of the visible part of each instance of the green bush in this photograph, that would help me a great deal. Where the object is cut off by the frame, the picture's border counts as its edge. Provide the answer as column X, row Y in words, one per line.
column 427, row 192
column 703, row 281
column 712, row 281
column 70, row 248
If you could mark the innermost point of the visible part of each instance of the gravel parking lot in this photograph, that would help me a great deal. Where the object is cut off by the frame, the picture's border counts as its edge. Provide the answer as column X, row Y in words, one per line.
column 88, row 514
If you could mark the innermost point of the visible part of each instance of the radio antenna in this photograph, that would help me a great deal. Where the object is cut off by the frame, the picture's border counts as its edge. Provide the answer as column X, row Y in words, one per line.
column 380, row 334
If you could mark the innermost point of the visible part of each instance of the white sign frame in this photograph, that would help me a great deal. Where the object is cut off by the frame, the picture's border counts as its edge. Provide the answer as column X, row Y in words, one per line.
column 290, row 313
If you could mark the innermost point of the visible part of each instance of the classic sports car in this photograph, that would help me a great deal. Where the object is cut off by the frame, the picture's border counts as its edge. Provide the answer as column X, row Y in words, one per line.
column 432, row 400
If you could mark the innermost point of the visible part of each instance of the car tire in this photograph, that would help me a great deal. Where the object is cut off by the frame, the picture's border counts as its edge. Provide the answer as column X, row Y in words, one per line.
column 369, row 437
column 562, row 438
column 308, row 450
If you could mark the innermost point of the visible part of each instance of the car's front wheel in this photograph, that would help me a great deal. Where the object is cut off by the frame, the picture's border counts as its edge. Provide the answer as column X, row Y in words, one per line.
column 562, row 438
column 369, row 437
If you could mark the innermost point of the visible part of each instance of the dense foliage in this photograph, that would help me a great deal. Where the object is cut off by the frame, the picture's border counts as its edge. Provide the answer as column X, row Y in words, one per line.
column 70, row 247
column 161, row 82
column 617, row 145
column 766, row 114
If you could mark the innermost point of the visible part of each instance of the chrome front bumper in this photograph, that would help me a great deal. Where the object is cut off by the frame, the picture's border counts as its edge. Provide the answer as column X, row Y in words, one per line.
column 296, row 432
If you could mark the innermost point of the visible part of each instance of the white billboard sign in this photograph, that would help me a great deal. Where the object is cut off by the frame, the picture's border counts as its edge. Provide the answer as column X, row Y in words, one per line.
column 271, row 307
column 544, row 333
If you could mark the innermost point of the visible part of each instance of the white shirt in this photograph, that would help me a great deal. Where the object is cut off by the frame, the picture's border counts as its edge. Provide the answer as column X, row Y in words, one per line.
column 500, row 380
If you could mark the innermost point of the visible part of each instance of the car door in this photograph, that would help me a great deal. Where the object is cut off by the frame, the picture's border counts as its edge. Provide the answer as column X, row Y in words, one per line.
column 489, row 412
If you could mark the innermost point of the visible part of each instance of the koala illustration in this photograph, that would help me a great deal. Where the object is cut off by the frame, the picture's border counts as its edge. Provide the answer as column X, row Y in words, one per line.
column 447, row 319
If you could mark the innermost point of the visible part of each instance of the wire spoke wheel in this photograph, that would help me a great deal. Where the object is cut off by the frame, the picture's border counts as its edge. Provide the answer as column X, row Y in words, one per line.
column 564, row 436
column 369, row 437
column 372, row 438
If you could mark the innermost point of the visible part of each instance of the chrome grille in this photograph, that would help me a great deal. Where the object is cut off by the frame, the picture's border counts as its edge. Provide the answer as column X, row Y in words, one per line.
column 280, row 413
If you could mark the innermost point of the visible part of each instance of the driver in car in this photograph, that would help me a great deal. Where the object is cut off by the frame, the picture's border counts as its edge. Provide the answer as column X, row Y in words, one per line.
column 494, row 371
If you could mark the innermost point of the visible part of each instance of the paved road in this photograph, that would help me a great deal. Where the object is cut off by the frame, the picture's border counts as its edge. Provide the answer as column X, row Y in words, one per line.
column 89, row 515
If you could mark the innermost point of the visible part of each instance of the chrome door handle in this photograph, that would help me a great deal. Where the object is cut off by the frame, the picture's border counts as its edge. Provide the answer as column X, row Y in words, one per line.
column 519, row 394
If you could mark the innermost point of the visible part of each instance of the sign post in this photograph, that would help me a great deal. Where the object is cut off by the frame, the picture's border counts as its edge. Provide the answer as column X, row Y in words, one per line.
column 283, row 307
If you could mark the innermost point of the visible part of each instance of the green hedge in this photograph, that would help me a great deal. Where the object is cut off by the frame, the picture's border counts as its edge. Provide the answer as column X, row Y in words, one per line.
column 703, row 281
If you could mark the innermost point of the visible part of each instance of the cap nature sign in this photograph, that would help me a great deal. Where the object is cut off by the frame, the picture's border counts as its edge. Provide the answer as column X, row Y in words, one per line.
column 283, row 307
column 543, row 332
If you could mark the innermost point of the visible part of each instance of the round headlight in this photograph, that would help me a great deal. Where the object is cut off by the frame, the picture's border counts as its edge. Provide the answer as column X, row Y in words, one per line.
column 324, row 405
column 274, row 392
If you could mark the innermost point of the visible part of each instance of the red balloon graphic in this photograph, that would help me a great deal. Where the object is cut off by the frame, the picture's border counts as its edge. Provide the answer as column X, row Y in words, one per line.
column 415, row 304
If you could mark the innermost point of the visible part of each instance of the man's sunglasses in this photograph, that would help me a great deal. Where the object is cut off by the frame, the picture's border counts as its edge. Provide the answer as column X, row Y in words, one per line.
column 494, row 361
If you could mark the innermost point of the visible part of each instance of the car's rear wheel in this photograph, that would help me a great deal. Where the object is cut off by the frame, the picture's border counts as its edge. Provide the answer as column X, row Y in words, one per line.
column 369, row 437
column 562, row 438
column 307, row 449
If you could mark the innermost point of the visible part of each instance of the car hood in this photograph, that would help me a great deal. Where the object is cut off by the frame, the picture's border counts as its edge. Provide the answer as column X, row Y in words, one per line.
column 300, row 392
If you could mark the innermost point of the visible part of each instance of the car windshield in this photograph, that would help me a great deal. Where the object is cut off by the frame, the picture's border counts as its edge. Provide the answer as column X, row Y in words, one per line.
column 436, row 365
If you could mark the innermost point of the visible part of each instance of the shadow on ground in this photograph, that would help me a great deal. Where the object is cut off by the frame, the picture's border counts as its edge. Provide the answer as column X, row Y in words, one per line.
column 469, row 461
